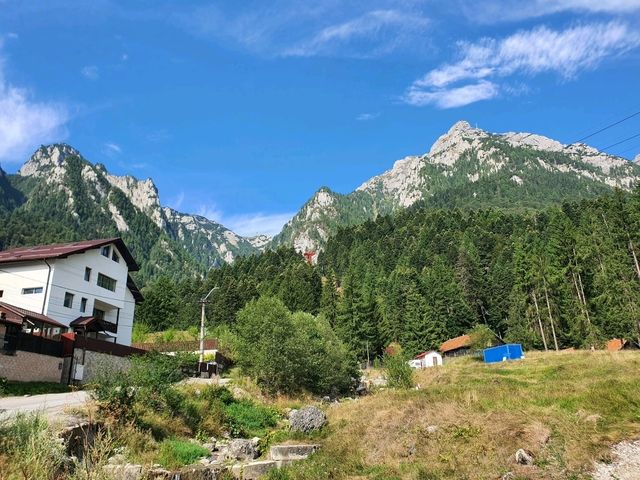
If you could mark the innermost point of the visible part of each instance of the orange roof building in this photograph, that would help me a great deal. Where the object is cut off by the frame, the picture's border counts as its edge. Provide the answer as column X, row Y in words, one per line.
column 456, row 345
column 615, row 344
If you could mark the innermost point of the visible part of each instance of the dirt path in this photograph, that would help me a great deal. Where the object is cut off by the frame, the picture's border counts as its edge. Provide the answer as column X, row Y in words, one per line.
column 625, row 464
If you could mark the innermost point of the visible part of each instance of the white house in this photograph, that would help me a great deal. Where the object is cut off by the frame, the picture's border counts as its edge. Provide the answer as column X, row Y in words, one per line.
column 83, row 285
column 426, row 360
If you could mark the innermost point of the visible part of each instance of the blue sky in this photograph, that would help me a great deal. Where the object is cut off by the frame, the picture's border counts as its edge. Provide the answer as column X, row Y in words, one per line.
column 240, row 110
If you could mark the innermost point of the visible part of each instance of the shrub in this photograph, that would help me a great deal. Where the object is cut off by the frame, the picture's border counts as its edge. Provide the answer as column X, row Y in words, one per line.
column 399, row 373
column 33, row 447
column 177, row 453
column 288, row 352
column 3, row 385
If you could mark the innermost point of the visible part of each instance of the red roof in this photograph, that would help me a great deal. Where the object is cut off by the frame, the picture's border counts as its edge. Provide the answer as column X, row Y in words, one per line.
column 28, row 314
column 456, row 343
column 63, row 250
column 420, row 356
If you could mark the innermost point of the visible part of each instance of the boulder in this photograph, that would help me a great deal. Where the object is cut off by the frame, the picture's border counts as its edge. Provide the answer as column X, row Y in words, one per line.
column 307, row 419
column 523, row 457
column 123, row 472
column 243, row 449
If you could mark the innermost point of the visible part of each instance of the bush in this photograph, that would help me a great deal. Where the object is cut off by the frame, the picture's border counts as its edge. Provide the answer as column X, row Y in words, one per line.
column 33, row 448
column 177, row 453
column 288, row 352
column 399, row 373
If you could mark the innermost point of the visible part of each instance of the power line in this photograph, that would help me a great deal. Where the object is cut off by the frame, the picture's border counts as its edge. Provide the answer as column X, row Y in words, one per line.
column 621, row 141
column 606, row 128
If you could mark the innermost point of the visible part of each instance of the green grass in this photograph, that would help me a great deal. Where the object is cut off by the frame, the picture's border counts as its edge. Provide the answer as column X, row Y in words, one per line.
column 175, row 453
column 9, row 388
column 567, row 408
column 248, row 419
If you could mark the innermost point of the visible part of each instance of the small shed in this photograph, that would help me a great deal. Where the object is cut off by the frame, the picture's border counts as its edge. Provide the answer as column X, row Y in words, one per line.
column 502, row 353
column 427, row 359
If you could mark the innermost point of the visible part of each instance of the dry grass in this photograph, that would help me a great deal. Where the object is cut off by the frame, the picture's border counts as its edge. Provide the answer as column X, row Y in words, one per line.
column 565, row 408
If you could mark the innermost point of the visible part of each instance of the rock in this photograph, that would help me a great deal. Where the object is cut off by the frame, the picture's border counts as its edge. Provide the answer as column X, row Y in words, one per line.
column 508, row 476
column 253, row 470
column 307, row 419
column 287, row 453
column 210, row 446
column 431, row 429
column 243, row 449
column 199, row 472
column 523, row 457
column 123, row 472
column 117, row 459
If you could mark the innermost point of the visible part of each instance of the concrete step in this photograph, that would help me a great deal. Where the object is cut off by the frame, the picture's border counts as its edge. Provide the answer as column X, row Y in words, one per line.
column 253, row 470
column 289, row 453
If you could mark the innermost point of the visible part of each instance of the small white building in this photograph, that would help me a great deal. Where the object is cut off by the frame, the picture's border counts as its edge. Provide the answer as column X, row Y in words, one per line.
column 426, row 360
column 85, row 285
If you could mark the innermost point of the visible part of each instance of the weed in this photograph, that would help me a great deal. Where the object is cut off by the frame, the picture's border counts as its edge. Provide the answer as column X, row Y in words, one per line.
column 177, row 453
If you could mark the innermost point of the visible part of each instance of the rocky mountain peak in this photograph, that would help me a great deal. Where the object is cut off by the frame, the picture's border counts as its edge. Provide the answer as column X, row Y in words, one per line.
column 450, row 146
column 637, row 159
column 46, row 158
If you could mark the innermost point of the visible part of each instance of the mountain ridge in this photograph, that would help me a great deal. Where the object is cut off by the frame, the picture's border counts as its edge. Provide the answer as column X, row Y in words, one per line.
column 462, row 157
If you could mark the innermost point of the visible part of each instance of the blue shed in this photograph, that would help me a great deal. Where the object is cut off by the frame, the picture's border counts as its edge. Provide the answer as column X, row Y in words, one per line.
column 501, row 353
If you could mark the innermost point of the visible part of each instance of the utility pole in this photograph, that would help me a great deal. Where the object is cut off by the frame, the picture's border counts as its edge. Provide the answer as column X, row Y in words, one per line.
column 203, row 302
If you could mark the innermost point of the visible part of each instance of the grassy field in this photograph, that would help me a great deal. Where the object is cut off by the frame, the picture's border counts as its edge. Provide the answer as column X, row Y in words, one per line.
column 566, row 408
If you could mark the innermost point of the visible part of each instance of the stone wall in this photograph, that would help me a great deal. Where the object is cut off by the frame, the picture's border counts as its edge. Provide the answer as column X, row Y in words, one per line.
column 94, row 363
column 30, row 367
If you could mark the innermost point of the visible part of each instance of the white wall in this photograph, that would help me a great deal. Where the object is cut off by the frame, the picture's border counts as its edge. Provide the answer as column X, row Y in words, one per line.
column 428, row 360
column 16, row 276
column 67, row 275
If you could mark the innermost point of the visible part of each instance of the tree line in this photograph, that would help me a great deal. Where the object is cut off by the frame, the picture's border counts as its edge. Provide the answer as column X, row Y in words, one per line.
column 565, row 276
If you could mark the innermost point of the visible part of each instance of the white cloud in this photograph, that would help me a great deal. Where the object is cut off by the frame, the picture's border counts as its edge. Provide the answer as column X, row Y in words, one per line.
column 246, row 224
column 90, row 72
column 530, row 52
column 330, row 28
column 258, row 223
column 25, row 123
column 112, row 148
column 452, row 97
column 507, row 10
column 177, row 201
column 364, row 117
column 385, row 28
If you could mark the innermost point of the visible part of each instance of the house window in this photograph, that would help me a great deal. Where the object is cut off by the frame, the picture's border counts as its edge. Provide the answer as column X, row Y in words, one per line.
column 87, row 274
column 31, row 290
column 115, row 257
column 1, row 293
column 105, row 251
column 106, row 282
column 83, row 305
column 68, row 300
column 98, row 314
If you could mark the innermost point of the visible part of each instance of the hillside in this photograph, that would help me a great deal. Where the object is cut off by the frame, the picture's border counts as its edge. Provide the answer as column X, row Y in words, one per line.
column 58, row 195
column 466, row 167
column 466, row 420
